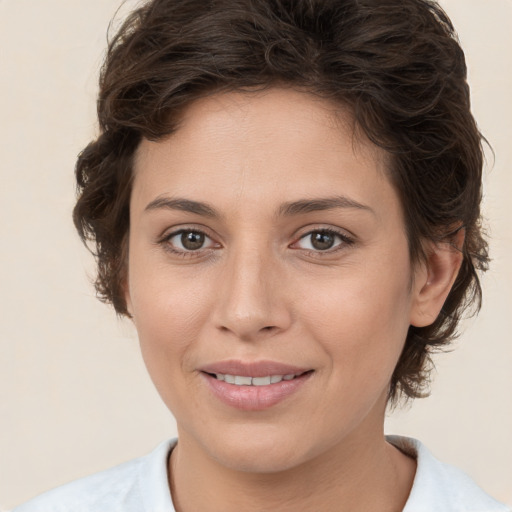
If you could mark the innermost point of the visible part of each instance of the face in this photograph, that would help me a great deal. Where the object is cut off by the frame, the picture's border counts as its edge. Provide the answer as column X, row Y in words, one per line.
column 269, row 278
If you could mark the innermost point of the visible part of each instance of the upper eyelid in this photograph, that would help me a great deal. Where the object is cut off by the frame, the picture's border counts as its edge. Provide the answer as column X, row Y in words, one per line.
column 324, row 230
column 174, row 230
column 343, row 233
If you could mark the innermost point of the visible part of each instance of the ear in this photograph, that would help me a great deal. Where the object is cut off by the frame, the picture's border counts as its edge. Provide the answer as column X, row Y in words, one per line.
column 434, row 278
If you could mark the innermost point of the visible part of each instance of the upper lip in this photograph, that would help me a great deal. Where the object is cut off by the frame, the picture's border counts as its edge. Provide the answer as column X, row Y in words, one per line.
column 253, row 368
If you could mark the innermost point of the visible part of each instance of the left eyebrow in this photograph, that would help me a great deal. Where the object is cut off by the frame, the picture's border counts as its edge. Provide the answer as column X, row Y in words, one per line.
column 314, row 205
column 184, row 205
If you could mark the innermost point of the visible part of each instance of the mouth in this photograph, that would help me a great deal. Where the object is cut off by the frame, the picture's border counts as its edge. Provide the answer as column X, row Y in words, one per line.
column 254, row 386
column 245, row 380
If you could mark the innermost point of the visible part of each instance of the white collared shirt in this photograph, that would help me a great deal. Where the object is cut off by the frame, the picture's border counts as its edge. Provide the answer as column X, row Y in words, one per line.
column 141, row 485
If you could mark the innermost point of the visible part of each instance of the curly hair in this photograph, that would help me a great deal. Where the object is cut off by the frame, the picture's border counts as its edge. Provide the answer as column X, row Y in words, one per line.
column 396, row 64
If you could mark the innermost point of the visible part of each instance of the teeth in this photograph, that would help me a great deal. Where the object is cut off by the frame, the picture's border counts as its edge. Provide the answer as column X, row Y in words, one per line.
column 261, row 381
column 241, row 380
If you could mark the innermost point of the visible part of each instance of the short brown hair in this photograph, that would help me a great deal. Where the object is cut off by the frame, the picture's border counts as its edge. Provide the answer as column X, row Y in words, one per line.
column 396, row 63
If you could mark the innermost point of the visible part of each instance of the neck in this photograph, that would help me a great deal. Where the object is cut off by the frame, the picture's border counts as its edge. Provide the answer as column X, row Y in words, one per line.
column 356, row 476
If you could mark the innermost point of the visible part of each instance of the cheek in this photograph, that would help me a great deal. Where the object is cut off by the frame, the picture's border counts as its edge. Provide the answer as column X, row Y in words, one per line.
column 168, row 316
column 168, row 312
column 361, row 318
column 360, row 330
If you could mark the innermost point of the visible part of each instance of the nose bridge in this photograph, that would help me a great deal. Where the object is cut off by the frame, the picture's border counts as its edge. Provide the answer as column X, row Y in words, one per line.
column 251, row 301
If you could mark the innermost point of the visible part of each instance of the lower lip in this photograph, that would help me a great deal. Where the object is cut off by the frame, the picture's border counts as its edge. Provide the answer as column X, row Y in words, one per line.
column 254, row 398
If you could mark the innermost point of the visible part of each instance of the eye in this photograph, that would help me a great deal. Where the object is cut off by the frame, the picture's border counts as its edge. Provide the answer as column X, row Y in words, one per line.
column 322, row 240
column 188, row 240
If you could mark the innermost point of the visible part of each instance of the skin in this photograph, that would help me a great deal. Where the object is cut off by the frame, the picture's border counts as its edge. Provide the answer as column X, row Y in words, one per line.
column 258, row 289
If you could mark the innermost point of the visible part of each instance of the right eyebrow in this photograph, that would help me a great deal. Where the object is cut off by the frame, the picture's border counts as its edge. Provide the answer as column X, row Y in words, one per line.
column 303, row 206
column 184, row 205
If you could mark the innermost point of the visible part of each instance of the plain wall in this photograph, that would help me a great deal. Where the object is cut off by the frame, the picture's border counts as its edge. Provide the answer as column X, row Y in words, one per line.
column 74, row 395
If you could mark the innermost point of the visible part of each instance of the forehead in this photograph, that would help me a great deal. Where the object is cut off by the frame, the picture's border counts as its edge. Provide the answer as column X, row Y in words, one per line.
column 280, row 143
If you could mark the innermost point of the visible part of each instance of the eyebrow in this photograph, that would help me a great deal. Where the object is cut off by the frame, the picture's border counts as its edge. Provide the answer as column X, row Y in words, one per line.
column 288, row 209
column 184, row 205
column 315, row 205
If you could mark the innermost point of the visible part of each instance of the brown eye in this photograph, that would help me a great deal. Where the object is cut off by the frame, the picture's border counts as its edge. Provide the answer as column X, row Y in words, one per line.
column 188, row 240
column 322, row 241
column 192, row 240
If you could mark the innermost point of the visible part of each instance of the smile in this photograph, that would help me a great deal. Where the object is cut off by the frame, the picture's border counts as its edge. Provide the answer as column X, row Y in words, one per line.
column 254, row 386
column 243, row 380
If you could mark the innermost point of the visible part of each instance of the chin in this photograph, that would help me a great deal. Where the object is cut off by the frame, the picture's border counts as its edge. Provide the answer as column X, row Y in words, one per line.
column 259, row 458
column 256, row 449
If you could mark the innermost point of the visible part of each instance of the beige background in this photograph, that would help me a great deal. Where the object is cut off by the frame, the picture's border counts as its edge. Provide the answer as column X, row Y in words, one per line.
column 74, row 396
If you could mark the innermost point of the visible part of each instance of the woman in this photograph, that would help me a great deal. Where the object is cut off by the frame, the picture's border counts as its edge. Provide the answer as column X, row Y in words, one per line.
column 284, row 197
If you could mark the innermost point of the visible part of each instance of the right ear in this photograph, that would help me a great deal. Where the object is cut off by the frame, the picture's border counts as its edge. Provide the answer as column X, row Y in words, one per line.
column 434, row 279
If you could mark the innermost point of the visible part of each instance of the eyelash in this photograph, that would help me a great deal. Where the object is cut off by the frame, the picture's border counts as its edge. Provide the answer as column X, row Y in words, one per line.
column 344, row 242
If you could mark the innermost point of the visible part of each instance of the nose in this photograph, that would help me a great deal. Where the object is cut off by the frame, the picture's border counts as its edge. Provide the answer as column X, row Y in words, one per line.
column 251, row 302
